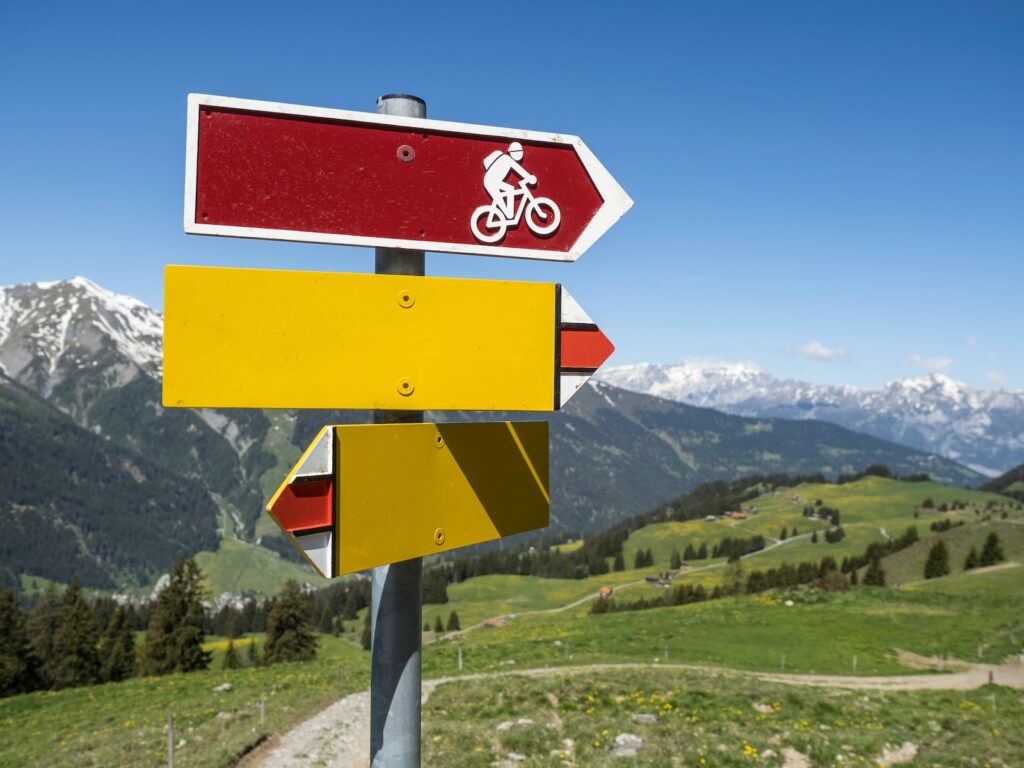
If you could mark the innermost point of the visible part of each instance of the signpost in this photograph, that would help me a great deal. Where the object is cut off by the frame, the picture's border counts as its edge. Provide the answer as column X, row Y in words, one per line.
column 249, row 338
column 383, row 495
column 288, row 172
column 347, row 505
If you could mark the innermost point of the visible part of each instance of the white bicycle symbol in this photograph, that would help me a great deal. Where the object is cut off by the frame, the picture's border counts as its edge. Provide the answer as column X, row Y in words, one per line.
column 489, row 223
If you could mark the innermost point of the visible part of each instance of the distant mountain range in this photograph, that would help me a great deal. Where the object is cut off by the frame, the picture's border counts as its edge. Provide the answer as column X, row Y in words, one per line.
column 980, row 428
column 85, row 363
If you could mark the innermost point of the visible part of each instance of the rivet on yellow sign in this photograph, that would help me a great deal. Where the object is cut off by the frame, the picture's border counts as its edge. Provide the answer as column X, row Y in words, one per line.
column 370, row 494
column 250, row 338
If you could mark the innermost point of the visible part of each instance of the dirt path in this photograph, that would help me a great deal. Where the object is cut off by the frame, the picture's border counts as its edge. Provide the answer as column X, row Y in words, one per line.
column 339, row 736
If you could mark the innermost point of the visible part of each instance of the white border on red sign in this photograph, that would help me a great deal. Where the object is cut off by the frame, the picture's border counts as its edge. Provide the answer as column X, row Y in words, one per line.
column 616, row 201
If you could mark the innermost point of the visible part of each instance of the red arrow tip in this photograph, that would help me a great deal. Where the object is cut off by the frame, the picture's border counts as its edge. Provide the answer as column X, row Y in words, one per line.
column 584, row 348
column 304, row 506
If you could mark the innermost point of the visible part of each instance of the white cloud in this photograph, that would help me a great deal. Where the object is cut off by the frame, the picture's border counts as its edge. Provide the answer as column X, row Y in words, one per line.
column 815, row 350
column 972, row 341
column 996, row 377
column 941, row 364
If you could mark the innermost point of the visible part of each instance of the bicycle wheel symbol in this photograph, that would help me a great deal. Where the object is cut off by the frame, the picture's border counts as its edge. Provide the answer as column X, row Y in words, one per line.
column 489, row 225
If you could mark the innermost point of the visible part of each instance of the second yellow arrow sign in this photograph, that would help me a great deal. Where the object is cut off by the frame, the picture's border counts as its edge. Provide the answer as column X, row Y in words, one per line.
column 369, row 494
column 248, row 338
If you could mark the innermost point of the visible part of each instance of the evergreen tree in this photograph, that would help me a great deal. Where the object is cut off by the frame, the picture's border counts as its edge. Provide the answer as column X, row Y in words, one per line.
column 438, row 626
column 649, row 557
column 367, row 638
column 814, row 537
column 231, row 660
column 854, row 580
column 75, row 642
column 426, row 626
column 42, row 624
column 971, row 561
column 992, row 552
column 174, row 635
column 928, row 503
column 453, row 622
column 689, row 553
column 794, row 533
column 938, row 561
column 17, row 663
column 117, row 648
column 352, row 605
column 289, row 636
column 252, row 653
column 782, row 534
column 702, row 553
column 874, row 576
column 620, row 562
column 639, row 559
column 676, row 561
column 435, row 587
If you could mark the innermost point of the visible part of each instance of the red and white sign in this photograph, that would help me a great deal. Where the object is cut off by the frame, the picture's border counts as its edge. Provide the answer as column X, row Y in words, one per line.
column 286, row 172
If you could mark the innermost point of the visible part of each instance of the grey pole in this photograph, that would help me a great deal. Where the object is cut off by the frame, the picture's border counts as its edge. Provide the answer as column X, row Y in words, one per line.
column 396, row 611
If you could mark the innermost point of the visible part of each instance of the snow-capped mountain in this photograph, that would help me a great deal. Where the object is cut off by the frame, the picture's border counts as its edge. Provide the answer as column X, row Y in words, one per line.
column 48, row 330
column 983, row 429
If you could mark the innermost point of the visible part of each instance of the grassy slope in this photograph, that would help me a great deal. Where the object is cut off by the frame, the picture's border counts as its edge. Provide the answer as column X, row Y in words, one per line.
column 871, row 509
column 817, row 634
column 239, row 566
column 123, row 723
column 908, row 565
column 712, row 720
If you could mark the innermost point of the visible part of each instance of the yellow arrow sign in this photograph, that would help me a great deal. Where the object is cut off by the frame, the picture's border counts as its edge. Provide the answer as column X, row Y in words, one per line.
column 370, row 494
column 247, row 338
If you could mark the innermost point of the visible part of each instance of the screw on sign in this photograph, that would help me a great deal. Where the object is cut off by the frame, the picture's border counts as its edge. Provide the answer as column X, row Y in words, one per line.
column 288, row 172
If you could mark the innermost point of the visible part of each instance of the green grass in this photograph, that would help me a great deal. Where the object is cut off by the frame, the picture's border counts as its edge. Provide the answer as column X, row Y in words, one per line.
column 238, row 567
column 122, row 724
column 908, row 565
column 996, row 580
column 819, row 633
column 710, row 720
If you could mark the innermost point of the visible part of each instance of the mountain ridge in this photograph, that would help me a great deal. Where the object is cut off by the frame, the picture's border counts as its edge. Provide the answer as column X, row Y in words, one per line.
column 983, row 429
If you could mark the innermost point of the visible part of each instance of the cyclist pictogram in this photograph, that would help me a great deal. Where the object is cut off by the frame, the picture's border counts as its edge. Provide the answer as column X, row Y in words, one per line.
column 509, row 202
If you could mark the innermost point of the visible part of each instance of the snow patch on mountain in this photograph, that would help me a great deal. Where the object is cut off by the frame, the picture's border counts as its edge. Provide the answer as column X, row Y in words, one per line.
column 981, row 428
column 51, row 327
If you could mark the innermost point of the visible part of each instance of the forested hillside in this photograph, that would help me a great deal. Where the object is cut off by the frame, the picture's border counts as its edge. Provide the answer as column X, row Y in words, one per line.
column 73, row 503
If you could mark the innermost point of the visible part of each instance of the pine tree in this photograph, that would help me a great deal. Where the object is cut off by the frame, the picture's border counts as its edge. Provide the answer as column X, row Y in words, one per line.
column 649, row 557
column 42, row 624
column 689, row 553
column 620, row 562
column 971, row 561
column 252, row 653
column 938, row 561
column 794, row 533
column 231, row 660
column 75, row 643
column 992, row 552
column 174, row 635
column 453, row 622
column 438, row 626
column 289, row 636
column 814, row 537
column 117, row 648
column 874, row 576
column 638, row 561
column 676, row 561
column 702, row 553
column 367, row 638
column 17, row 664
column 782, row 534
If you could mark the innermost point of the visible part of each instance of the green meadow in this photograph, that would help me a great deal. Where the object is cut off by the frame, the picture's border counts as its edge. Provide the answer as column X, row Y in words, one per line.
column 687, row 718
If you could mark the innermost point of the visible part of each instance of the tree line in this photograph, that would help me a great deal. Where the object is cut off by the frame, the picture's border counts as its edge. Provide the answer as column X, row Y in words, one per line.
column 63, row 641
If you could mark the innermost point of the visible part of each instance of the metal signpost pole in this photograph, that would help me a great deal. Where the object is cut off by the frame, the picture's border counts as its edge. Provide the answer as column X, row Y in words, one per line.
column 395, row 608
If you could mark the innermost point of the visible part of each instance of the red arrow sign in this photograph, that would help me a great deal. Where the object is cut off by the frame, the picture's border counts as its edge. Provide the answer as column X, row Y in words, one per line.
column 286, row 172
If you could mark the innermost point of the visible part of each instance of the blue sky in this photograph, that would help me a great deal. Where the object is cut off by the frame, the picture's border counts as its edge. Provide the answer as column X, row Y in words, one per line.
column 834, row 191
